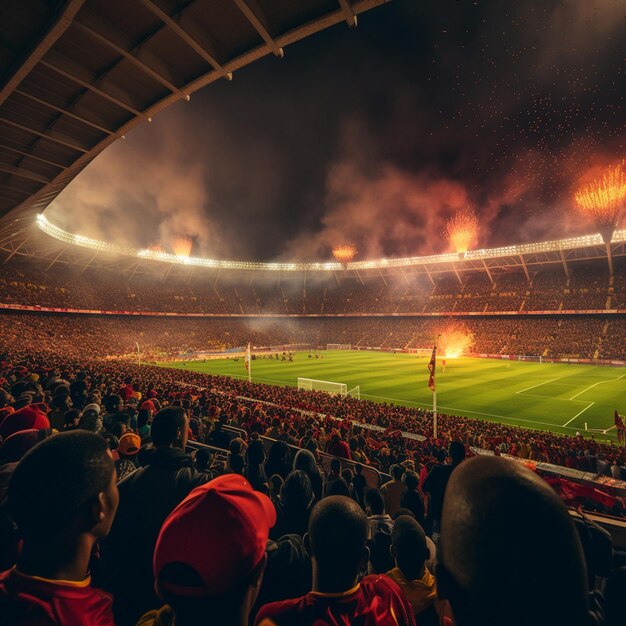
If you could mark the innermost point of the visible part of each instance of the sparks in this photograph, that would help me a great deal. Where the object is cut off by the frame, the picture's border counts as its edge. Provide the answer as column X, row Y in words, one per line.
column 461, row 229
column 602, row 199
column 182, row 245
column 344, row 253
column 455, row 342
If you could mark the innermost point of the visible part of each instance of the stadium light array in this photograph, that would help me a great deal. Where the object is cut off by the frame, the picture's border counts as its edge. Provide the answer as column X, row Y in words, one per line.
column 165, row 257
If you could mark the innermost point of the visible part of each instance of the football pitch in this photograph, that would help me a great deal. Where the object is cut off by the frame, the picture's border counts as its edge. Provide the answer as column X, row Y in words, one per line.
column 548, row 396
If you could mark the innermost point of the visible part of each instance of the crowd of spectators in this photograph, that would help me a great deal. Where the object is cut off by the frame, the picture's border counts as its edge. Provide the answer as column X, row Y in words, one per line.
column 115, row 520
column 160, row 338
column 548, row 290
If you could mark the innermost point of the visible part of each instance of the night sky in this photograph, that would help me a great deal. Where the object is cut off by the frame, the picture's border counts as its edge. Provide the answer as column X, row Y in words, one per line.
column 375, row 136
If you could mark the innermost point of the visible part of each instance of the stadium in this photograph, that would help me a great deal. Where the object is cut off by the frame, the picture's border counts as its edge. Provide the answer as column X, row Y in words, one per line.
column 330, row 377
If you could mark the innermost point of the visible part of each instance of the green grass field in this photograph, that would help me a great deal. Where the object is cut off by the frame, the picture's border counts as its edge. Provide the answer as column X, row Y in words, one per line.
column 556, row 397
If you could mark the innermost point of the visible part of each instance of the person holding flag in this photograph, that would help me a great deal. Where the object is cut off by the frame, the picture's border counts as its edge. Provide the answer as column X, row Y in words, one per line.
column 247, row 361
column 432, row 364
column 621, row 428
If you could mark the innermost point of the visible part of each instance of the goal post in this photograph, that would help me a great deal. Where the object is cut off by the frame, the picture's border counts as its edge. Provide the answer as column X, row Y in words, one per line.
column 338, row 346
column 355, row 392
column 323, row 385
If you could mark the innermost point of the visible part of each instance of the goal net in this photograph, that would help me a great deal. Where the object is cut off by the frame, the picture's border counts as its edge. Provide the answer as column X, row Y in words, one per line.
column 338, row 346
column 323, row 385
column 355, row 392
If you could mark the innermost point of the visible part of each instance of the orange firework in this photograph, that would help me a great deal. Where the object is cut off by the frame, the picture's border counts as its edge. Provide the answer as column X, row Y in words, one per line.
column 601, row 199
column 344, row 253
column 454, row 342
column 157, row 248
column 182, row 245
column 461, row 229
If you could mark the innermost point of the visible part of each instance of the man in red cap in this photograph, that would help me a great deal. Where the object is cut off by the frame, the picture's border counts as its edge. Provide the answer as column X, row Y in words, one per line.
column 337, row 542
column 210, row 555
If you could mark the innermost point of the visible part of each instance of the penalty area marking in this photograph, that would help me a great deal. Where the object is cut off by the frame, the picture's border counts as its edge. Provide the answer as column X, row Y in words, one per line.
column 577, row 414
column 609, row 380
column 481, row 413
column 540, row 384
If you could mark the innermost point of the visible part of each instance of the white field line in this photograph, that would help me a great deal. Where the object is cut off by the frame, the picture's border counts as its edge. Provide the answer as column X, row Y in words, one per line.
column 540, row 384
column 452, row 408
column 577, row 414
column 610, row 380
column 534, row 395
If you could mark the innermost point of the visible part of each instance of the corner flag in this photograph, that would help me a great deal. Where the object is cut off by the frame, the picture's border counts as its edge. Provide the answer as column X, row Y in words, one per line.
column 431, row 368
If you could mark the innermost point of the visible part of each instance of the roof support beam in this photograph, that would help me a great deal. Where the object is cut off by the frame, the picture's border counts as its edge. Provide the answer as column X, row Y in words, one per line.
column 30, row 156
column 74, row 116
column 15, row 251
column 457, row 274
column 196, row 41
column 259, row 22
column 565, row 268
column 429, row 276
column 16, row 171
column 54, row 138
column 349, row 13
column 359, row 277
column 521, row 258
column 84, row 267
column 55, row 259
column 32, row 56
column 87, row 85
column 488, row 272
column 382, row 276
column 103, row 33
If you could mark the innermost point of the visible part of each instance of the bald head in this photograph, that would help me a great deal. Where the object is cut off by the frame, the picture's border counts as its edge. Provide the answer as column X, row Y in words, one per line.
column 509, row 548
column 337, row 536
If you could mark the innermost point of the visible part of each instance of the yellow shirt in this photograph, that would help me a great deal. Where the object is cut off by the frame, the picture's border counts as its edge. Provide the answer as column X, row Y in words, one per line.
column 420, row 593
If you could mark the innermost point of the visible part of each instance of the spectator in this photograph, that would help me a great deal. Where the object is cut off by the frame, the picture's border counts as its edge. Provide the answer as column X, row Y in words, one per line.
column 337, row 543
column 497, row 509
column 128, row 448
column 279, row 460
column 410, row 553
column 147, row 496
column 210, row 555
column 411, row 498
column 66, row 482
column 90, row 419
column 436, row 482
column 393, row 490
column 294, row 507
column 305, row 461
column 255, row 471
column 337, row 447
column 236, row 460
column 359, row 484
column 379, row 527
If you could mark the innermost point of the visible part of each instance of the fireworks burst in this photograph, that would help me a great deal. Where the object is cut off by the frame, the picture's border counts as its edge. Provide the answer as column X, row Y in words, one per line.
column 461, row 229
column 601, row 199
column 344, row 253
column 182, row 245
column 454, row 342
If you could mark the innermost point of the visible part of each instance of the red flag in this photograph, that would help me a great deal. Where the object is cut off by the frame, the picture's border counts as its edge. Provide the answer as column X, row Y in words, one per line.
column 621, row 428
column 431, row 368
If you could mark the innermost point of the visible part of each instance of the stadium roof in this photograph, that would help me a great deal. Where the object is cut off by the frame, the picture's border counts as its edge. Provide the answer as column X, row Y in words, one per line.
column 76, row 75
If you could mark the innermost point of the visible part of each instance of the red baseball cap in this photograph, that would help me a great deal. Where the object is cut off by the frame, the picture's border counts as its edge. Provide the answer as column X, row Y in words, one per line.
column 220, row 531
column 28, row 417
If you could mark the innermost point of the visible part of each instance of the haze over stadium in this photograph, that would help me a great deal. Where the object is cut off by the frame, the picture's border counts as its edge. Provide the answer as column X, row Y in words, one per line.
column 312, row 312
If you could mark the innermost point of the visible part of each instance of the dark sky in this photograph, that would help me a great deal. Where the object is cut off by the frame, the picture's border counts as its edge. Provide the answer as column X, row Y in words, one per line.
column 376, row 135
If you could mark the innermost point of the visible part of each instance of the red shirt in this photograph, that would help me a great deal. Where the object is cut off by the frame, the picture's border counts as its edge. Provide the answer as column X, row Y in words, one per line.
column 377, row 600
column 33, row 601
